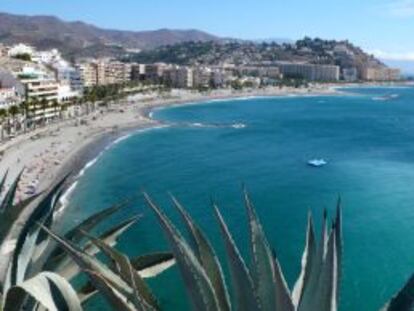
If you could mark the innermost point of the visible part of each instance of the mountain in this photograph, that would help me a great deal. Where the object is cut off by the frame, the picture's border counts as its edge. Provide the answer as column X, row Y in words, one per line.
column 82, row 39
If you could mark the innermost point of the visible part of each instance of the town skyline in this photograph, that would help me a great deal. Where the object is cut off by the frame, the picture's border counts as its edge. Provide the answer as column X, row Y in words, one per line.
column 360, row 23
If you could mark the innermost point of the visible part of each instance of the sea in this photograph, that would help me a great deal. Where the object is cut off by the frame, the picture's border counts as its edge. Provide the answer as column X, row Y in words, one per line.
column 208, row 151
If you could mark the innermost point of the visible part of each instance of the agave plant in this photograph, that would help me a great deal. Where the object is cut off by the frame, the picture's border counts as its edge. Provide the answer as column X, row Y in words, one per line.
column 38, row 274
column 41, row 263
column 261, row 285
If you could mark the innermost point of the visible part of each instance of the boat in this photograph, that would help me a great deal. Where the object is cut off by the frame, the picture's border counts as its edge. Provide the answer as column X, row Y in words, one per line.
column 317, row 162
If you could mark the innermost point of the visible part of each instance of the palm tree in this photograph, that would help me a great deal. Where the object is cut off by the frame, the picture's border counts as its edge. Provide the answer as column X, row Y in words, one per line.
column 34, row 103
column 14, row 111
column 91, row 99
column 3, row 116
column 44, row 104
column 63, row 107
column 24, row 107
column 56, row 105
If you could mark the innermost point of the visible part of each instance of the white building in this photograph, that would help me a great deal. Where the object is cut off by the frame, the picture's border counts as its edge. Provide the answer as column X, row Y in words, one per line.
column 8, row 97
column 311, row 72
column 20, row 49
column 46, row 57
column 41, row 91
column 68, row 75
column 66, row 93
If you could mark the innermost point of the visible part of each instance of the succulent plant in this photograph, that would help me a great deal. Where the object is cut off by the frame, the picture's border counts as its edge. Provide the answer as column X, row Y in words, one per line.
column 39, row 274
column 42, row 264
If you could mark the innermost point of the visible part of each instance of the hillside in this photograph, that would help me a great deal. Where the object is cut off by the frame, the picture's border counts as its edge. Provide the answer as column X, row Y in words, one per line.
column 316, row 51
column 78, row 38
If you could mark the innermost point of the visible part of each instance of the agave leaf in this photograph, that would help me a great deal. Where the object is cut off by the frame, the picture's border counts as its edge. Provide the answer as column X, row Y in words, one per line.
column 404, row 300
column 310, row 293
column 91, row 222
column 26, row 242
column 244, row 291
column 123, row 267
column 116, row 291
column 308, row 260
column 3, row 181
column 87, row 225
column 69, row 269
column 269, row 281
column 50, row 202
column 329, row 276
column 112, row 295
column 198, row 285
column 49, row 290
column 339, row 240
column 9, row 218
column 148, row 266
column 11, row 193
column 207, row 257
column 324, row 292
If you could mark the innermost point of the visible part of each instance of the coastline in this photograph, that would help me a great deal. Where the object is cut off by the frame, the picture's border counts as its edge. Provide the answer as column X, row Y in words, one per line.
column 73, row 146
column 52, row 151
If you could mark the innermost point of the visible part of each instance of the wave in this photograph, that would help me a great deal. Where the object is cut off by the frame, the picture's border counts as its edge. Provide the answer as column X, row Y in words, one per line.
column 118, row 140
column 64, row 199
column 88, row 165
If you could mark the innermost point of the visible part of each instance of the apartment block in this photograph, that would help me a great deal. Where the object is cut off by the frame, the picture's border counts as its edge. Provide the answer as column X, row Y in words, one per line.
column 271, row 72
column 350, row 74
column 155, row 72
column 115, row 73
column 88, row 73
column 137, row 72
column 202, row 77
column 381, row 74
column 180, row 77
column 309, row 72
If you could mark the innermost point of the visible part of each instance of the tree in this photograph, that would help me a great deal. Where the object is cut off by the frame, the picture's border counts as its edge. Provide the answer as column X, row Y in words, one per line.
column 44, row 104
column 33, row 104
column 55, row 105
column 14, row 111
column 3, row 117
column 25, row 56
column 24, row 107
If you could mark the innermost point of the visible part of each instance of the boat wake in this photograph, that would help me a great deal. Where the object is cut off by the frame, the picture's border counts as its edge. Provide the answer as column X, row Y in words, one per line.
column 213, row 125
column 385, row 97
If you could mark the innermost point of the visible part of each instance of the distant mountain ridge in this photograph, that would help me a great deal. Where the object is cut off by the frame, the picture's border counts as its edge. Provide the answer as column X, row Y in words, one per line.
column 82, row 39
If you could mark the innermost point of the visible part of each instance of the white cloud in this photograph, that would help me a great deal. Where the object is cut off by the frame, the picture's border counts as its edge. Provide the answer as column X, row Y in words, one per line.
column 406, row 56
column 399, row 8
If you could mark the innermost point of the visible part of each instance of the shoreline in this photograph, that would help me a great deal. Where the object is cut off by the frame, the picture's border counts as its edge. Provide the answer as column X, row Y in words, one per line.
column 51, row 152
column 48, row 153
column 68, row 146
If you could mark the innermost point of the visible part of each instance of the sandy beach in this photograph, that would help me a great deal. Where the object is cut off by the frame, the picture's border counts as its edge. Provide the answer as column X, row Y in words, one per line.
column 49, row 152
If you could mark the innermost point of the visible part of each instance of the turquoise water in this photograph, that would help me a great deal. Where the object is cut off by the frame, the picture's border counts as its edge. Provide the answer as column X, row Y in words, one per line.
column 368, row 142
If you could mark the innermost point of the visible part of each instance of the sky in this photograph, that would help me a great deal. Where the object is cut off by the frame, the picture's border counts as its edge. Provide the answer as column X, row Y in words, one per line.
column 383, row 27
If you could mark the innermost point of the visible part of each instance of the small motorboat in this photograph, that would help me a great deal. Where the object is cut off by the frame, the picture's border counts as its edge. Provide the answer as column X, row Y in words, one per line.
column 317, row 162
